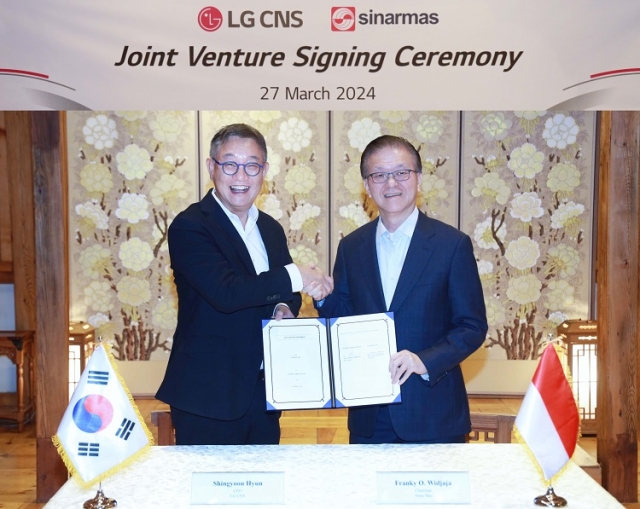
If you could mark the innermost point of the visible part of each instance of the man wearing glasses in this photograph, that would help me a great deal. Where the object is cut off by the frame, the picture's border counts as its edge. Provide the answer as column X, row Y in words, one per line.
column 423, row 271
column 232, row 269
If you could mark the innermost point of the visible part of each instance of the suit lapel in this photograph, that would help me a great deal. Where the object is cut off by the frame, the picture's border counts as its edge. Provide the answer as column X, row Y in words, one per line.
column 369, row 266
column 219, row 220
column 418, row 255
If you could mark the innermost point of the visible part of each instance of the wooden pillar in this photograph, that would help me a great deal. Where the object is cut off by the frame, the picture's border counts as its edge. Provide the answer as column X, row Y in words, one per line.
column 618, row 305
column 51, row 236
column 20, row 179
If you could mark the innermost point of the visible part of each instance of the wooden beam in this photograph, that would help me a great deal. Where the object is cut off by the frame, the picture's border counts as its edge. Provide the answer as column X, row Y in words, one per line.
column 618, row 305
column 20, row 166
column 51, row 235
column 6, row 255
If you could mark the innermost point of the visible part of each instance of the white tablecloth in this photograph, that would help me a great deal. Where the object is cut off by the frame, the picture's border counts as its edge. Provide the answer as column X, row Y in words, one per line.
column 337, row 476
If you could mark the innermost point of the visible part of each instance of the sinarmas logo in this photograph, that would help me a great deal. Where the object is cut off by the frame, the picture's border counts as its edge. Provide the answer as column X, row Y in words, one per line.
column 210, row 19
column 343, row 19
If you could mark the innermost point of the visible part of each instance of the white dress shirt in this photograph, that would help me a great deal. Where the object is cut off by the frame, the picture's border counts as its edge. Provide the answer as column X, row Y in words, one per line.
column 250, row 235
column 392, row 250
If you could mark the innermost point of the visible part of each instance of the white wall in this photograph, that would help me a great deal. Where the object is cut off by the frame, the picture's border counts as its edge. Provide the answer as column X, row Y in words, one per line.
column 7, row 322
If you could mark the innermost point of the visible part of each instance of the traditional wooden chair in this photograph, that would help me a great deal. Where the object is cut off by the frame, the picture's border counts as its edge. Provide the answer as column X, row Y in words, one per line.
column 494, row 428
column 162, row 420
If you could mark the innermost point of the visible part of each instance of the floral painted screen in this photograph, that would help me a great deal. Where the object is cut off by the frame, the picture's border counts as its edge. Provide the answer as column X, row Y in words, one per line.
column 527, row 187
column 519, row 183
column 130, row 173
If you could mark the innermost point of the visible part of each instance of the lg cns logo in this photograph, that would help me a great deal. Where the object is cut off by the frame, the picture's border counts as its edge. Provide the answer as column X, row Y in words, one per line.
column 210, row 19
column 343, row 19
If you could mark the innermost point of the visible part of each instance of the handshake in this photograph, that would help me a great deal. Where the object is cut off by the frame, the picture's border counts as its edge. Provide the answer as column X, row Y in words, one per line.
column 315, row 283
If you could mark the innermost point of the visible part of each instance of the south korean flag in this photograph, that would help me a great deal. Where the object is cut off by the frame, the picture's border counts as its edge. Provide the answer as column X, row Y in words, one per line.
column 102, row 428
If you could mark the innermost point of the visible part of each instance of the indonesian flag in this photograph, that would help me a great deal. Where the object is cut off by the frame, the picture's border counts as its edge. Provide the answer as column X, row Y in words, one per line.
column 548, row 419
column 101, row 430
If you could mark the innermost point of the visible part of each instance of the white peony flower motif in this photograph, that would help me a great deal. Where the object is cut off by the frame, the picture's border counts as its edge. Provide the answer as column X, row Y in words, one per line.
column 394, row 117
column 303, row 213
column 483, row 236
column 354, row 216
column 98, row 320
column 274, row 165
column 567, row 216
column 563, row 179
column 169, row 189
column 433, row 188
column 526, row 206
column 165, row 313
column 495, row 126
column 93, row 215
column 100, row 131
column 132, row 115
column 303, row 255
column 526, row 161
column 167, row 126
column 522, row 253
column 295, row 134
column 134, row 162
column 557, row 317
column 564, row 259
column 135, row 254
column 429, row 128
column 269, row 204
column 265, row 117
column 485, row 267
column 490, row 187
column 560, row 295
column 299, row 180
column 222, row 118
column 96, row 178
column 524, row 289
column 132, row 207
column 560, row 131
column 530, row 115
column 133, row 291
column 353, row 181
column 97, row 296
column 496, row 314
column 362, row 132
column 94, row 261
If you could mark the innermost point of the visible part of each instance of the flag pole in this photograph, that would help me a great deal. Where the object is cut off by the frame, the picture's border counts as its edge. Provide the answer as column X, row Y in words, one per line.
column 550, row 499
column 100, row 501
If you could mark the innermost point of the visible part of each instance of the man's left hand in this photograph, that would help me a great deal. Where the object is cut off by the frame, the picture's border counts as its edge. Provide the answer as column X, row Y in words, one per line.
column 403, row 364
column 282, row 311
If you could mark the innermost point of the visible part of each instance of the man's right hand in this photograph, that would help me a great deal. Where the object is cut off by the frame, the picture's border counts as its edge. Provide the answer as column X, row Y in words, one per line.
column 315, row 283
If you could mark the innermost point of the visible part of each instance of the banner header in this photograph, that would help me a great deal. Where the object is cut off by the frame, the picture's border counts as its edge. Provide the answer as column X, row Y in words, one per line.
column 253, row 55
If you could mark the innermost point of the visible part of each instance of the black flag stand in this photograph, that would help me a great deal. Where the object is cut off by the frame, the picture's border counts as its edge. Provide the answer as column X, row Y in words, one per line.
column 550, row 499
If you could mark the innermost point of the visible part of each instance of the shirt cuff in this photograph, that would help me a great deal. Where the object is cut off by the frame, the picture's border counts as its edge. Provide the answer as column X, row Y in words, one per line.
column 295, row 276
column 273, row 315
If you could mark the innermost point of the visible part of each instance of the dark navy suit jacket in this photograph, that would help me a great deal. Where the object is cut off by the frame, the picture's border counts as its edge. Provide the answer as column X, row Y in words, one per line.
column 217, row 350
column 439, row 315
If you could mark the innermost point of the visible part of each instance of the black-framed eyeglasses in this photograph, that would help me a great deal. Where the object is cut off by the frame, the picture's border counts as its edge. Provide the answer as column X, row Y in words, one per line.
column 380, row 177
column 231, row 167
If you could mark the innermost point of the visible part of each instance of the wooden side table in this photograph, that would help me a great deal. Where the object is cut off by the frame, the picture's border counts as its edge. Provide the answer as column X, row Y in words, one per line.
column 19, row 347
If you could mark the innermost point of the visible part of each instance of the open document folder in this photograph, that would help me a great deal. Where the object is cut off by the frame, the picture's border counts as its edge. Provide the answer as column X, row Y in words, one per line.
column 334, row 363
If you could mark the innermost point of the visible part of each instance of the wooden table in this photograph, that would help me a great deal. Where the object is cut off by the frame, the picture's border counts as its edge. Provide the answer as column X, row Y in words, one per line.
column 19, row 347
